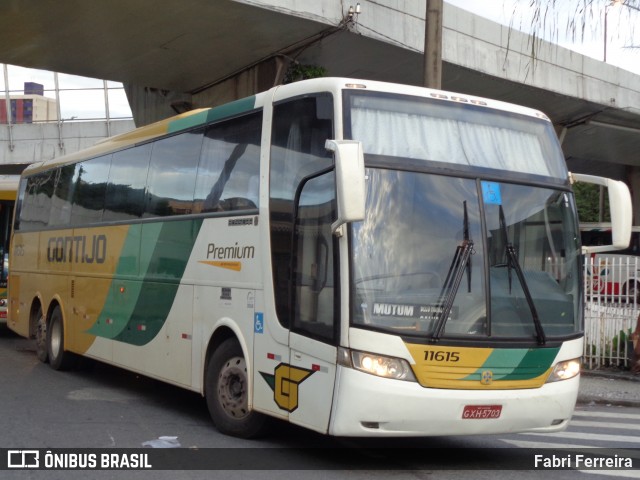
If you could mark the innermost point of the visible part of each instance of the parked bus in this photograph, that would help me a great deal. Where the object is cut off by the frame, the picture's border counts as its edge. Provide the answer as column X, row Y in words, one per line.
column 613, row 274
column 8, row 188
column 355, row 257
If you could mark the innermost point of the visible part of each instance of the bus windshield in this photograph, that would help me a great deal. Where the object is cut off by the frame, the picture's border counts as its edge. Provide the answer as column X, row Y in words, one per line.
column 445, row 257
column 454, row 133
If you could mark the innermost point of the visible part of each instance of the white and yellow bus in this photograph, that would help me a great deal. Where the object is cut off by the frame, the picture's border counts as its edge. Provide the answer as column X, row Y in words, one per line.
column 8, row 189
column 356, row 257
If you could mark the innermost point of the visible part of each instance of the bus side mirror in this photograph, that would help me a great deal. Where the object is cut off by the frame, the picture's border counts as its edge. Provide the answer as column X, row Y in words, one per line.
column 350, row 187
column 620, row 210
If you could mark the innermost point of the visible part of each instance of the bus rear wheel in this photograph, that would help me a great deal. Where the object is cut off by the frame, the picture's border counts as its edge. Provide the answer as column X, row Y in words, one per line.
column 59, row 359
column 227, row 393
column 41, row 336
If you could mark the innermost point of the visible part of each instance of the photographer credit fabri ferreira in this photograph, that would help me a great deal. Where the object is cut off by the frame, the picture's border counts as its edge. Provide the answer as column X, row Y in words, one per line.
column 581, row 461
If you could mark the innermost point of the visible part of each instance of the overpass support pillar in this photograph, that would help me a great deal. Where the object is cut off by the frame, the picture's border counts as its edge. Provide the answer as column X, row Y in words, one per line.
column 151, row 104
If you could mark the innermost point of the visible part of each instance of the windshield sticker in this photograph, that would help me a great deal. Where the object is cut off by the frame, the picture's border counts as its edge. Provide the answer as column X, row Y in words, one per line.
column 423, row 312
column 491, row 193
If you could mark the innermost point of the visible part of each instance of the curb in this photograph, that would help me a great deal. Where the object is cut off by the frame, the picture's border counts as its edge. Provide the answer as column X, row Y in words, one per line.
column 593, row 400
column 613, row 375
column 623, row 391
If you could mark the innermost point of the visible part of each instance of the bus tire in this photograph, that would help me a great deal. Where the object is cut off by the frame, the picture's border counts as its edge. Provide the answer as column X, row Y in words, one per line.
column 227, row 393
column 59, row 359
column 42, row 350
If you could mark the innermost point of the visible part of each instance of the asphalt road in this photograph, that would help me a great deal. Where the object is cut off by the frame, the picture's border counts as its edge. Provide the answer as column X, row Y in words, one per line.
column 104, row 408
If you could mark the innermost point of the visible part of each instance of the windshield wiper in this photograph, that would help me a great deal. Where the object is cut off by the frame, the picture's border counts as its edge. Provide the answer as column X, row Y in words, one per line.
column 461, row 262
column 512, row 262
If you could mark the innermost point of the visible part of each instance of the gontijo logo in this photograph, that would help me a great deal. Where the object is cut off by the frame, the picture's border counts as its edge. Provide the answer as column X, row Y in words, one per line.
column 77, row 249
column 228, row 256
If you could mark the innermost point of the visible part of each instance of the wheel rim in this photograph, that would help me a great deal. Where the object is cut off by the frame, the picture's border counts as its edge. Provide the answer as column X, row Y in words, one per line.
column 55, row 337
column 41, row 333
column 232, row 388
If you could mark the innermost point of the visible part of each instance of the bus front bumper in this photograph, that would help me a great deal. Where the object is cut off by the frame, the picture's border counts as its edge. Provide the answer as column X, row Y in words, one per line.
column 370, row 406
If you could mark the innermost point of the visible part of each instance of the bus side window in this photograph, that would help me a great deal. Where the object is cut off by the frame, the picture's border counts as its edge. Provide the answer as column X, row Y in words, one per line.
column 35, row 209
column 60, row 212
column 172, row 174
column 229, row 168
column 89, row 190
column 126, row 185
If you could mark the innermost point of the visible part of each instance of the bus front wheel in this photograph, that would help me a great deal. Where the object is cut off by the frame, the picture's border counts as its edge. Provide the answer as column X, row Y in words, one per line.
column 59, row 359
column 227, row 393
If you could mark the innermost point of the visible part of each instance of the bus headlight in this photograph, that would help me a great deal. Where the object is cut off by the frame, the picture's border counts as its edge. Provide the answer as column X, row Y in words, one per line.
column 379, row 365
column 565, row 370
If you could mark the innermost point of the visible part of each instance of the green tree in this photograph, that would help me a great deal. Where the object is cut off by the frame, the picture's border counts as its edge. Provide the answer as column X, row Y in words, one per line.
column 588, row 202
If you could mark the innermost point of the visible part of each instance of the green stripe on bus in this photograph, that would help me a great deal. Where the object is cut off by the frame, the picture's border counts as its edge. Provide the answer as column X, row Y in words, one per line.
column 118, row 305
column 165, row 268
column 136, row 314
column 227, row 110
column 516, row 363
column 535, row 363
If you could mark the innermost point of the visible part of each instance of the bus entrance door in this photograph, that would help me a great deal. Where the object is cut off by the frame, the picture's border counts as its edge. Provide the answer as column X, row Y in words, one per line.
column 312, row 378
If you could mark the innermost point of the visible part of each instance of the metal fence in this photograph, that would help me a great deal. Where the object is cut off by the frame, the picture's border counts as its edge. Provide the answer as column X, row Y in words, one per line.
column 612, row 304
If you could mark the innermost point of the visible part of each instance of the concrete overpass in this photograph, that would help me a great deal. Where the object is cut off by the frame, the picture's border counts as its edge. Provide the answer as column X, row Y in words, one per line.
column 194, row 53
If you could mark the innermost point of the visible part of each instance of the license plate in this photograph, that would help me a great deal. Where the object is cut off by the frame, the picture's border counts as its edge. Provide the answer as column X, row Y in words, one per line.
column 481, row 412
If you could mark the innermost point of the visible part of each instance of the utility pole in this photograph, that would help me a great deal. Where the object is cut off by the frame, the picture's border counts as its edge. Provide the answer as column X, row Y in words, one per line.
column 433, row 44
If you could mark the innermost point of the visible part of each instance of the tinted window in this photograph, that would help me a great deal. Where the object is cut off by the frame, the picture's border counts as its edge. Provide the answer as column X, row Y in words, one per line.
column 36, row 205
column 90, row 186
column 229, row 170
column 313, row 265
column 300, row 130
column 60, row 213
column 172, row 174
column 127, row 181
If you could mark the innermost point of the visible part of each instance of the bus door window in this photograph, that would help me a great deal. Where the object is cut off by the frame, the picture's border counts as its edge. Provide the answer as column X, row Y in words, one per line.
column 313, row 261
column 300, row 129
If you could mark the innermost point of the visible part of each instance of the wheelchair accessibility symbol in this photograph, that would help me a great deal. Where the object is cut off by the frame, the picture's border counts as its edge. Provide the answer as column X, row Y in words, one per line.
column 258, row 322
column 491, row 193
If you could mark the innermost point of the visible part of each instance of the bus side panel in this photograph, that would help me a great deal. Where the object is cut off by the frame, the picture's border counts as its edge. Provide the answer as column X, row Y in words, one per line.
column 101, row 256
column 146, row 319
column 24, row 263
column 225, row 268
column 168, row 355
column 56, row 251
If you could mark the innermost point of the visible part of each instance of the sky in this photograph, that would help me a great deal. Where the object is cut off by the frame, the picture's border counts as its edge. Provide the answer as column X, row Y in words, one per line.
column 81, row 98
column 621, row 34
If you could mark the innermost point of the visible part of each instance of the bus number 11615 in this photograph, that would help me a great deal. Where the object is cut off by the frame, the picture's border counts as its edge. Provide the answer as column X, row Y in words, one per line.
column 440, row 356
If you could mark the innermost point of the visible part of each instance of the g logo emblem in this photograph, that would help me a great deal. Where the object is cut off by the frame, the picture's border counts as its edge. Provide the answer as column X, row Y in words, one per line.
column 285, row 382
